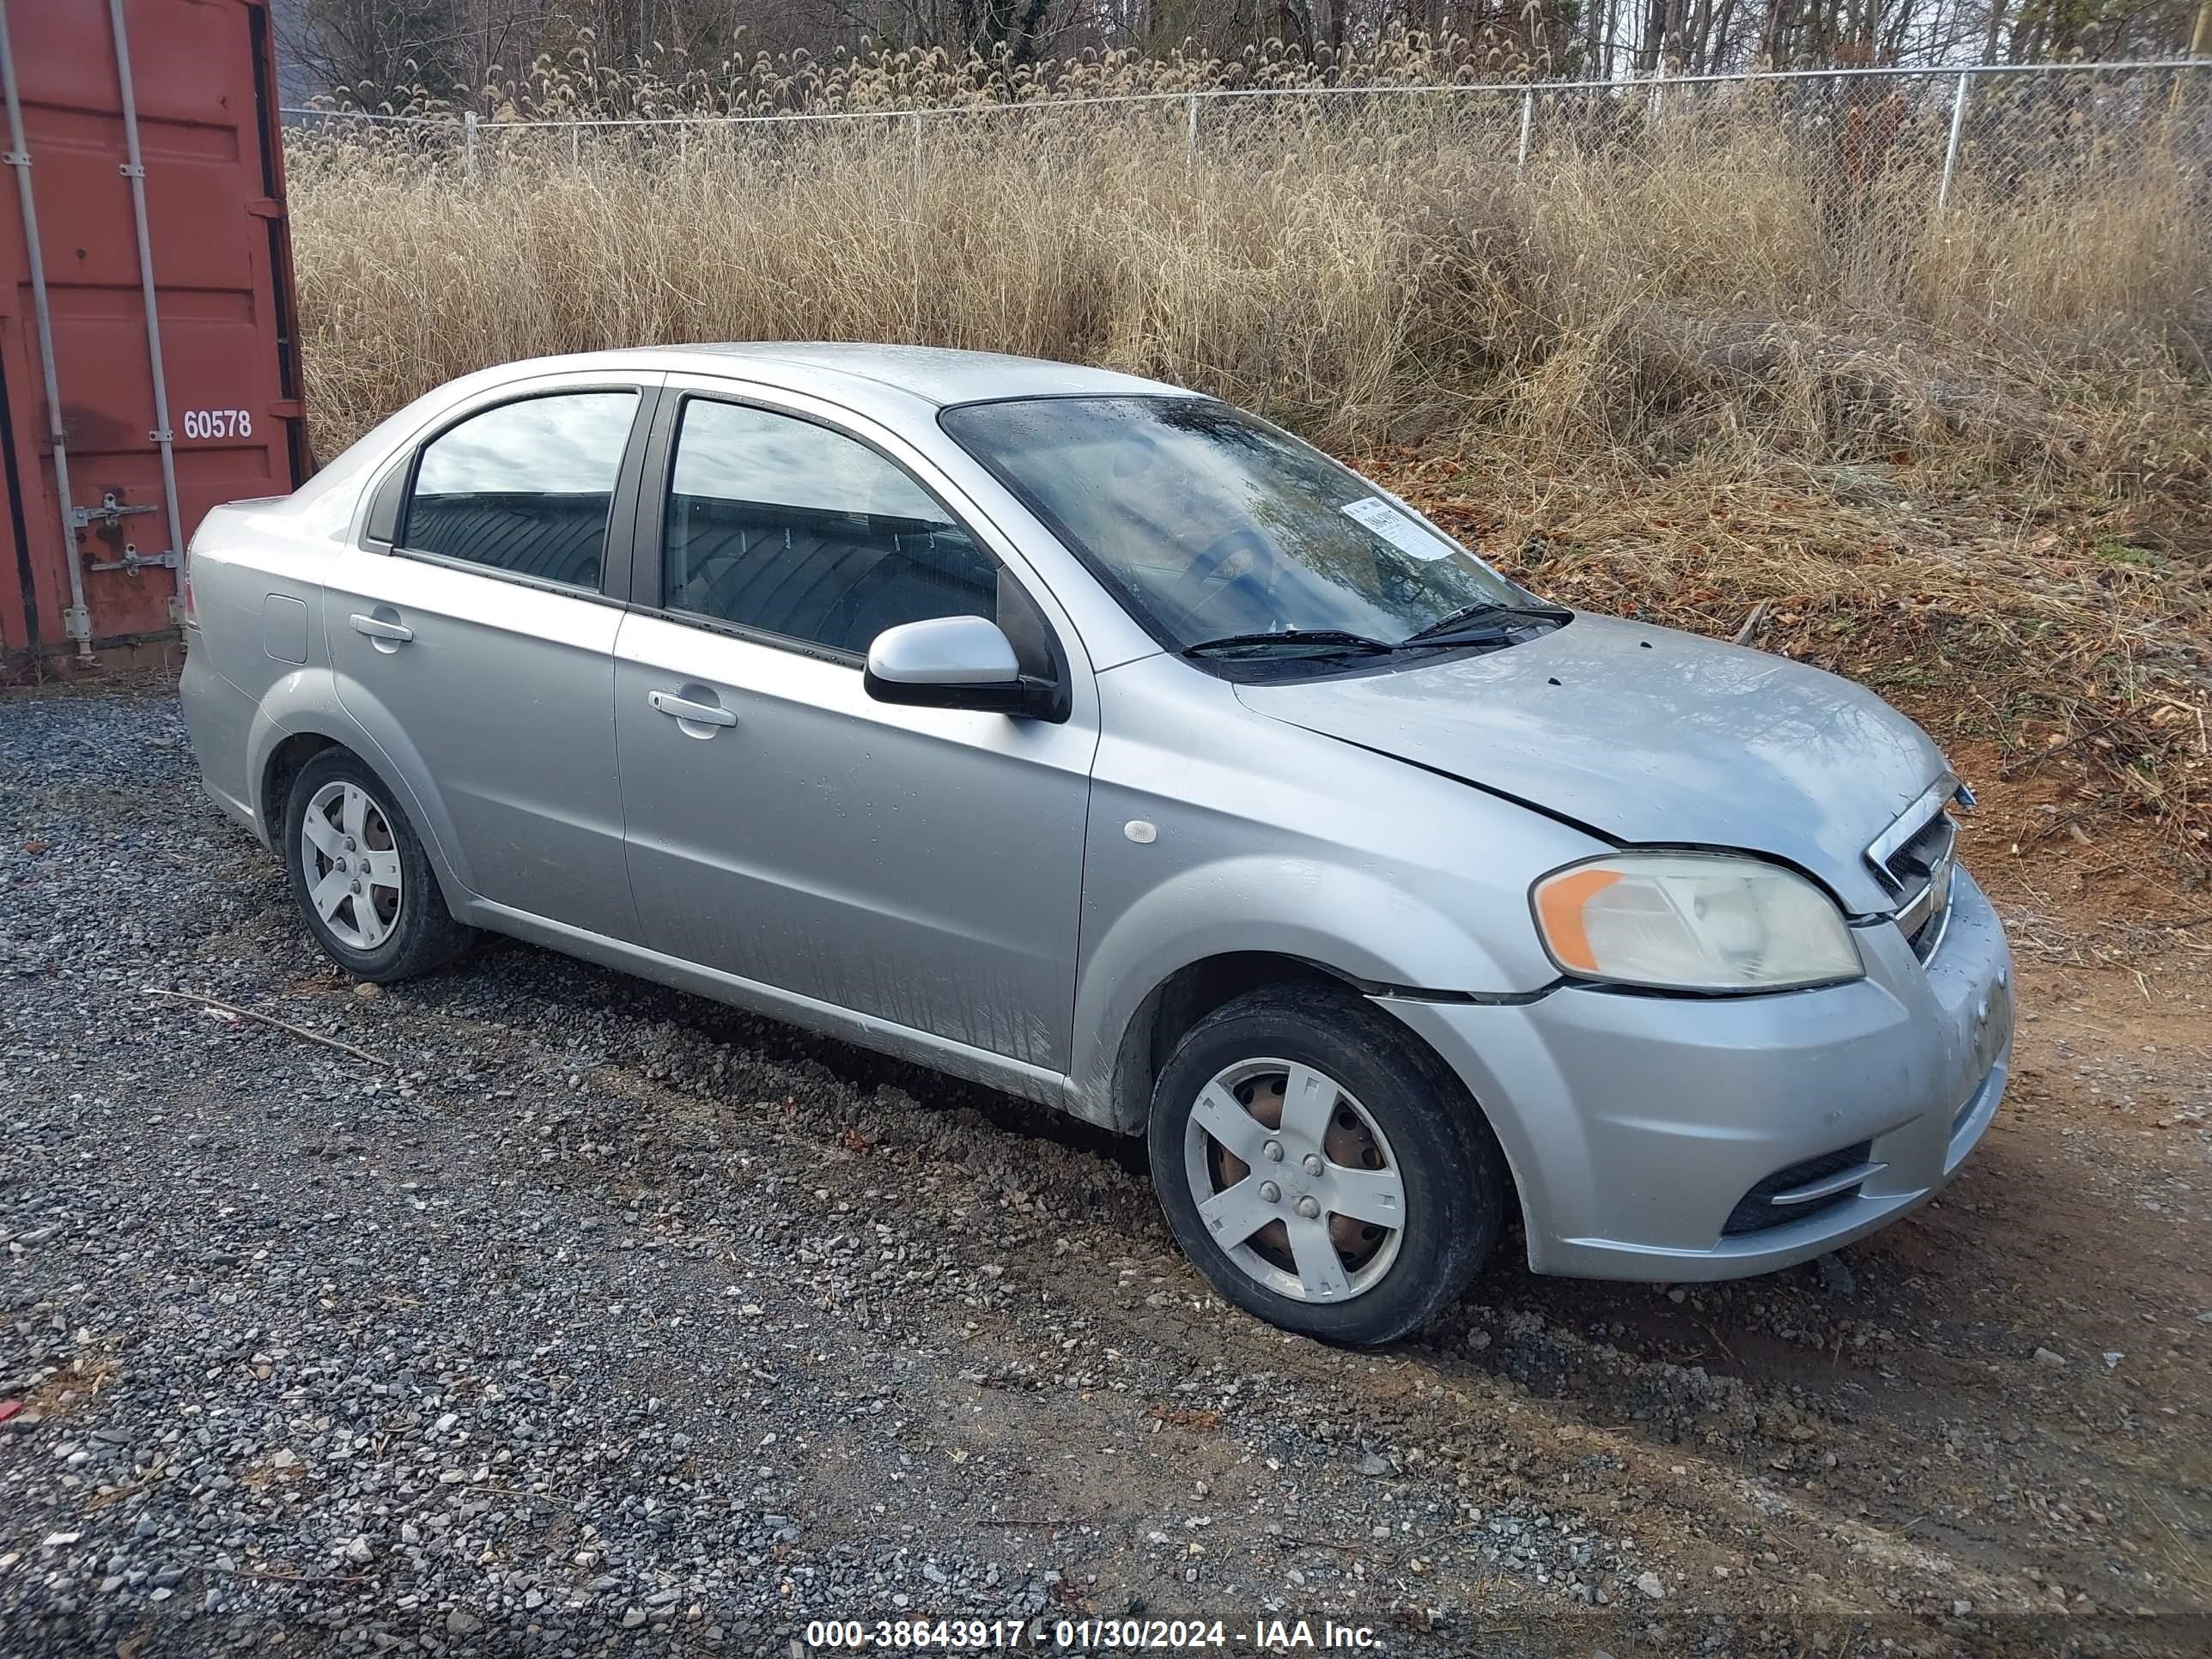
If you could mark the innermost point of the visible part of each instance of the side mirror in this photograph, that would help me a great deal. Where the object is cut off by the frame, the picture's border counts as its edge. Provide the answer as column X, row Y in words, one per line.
column 955, row 662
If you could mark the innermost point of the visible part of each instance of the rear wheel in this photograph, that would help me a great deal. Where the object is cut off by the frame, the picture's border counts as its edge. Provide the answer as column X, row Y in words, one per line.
column 1322, row 1167
column 363, row 884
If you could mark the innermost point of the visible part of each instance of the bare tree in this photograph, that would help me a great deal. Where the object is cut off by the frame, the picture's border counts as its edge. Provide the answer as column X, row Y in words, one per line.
column 376, row 49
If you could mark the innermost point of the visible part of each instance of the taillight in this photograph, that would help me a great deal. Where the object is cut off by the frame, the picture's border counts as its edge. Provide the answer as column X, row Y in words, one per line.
column 185, row 610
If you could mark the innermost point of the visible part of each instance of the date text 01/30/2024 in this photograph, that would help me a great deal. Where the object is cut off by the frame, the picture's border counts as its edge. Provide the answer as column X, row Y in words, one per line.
column 1087, row 1635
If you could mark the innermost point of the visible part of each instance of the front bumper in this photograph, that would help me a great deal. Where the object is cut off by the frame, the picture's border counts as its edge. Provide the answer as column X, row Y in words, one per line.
column 1637, row 1124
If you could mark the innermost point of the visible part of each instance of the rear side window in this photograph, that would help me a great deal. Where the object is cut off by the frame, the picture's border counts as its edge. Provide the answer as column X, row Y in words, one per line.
column 778, row 525
column 525, row 488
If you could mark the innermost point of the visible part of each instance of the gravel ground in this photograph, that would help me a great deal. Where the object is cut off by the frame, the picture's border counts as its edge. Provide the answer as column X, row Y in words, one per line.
column 584, row 1317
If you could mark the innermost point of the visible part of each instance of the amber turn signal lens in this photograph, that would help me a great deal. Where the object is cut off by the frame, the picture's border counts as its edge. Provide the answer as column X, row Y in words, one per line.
column 1560, row 904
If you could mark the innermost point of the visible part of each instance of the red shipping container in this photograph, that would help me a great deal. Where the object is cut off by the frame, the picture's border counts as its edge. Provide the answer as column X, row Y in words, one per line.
column 91, row 571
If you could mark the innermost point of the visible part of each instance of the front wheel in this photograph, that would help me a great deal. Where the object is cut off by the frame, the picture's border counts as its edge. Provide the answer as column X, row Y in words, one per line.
column 1322, row 1167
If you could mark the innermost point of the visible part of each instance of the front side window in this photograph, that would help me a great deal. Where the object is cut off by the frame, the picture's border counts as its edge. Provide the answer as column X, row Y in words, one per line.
column 776, row 524
column 526, row 487
column 1218, row 530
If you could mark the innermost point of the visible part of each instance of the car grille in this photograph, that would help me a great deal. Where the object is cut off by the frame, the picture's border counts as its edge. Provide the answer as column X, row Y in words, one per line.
column 1920, row 869
column 1756, row 1211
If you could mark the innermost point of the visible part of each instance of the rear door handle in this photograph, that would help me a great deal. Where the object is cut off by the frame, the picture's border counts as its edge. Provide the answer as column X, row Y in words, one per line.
column 377, row 628
column 683, row 709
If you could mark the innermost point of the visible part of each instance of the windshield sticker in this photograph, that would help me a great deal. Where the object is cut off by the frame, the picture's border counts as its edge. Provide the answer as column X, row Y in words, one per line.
column 1407, row 535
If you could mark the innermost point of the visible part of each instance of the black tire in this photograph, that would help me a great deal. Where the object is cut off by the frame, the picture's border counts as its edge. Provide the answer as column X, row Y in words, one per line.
column 424, row 936
column 1453, row 1173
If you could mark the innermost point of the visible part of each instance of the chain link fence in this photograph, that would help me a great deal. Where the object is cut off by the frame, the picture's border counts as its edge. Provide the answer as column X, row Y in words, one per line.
column 1864, row 174
column 1992, row 127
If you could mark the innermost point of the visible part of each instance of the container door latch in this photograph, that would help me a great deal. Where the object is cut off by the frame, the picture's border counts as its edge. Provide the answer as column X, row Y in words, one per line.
column 111, row 513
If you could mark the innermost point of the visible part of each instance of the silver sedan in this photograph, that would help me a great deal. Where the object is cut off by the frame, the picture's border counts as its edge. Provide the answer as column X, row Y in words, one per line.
column 1091, row 739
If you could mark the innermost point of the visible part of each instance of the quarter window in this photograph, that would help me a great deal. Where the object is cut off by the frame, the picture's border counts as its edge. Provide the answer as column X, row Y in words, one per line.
column 776, row 523
column 525, row 488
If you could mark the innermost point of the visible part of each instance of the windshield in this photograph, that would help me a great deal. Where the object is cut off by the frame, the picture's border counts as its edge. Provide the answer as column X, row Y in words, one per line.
column 1214, row 525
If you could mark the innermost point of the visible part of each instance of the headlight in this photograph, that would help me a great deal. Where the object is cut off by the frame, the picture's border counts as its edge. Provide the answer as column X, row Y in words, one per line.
column 1692, row 921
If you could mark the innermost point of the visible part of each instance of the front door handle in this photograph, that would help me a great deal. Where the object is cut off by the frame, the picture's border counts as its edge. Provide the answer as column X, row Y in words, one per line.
column 377, row 628
column 683, row 709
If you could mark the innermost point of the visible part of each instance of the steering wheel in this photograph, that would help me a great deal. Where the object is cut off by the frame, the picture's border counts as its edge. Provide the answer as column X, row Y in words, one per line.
column 1213, row 555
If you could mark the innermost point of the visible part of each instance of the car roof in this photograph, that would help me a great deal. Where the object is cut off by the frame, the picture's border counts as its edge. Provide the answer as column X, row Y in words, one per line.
column 891, row 383
column 935, row 374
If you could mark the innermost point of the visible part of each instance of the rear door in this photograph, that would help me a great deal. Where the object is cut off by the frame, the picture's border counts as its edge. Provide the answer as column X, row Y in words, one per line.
column 477, row 644
column 922, row 866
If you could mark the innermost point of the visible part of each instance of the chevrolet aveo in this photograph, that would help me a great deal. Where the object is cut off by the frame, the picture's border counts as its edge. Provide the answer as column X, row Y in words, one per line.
column 1091, row 739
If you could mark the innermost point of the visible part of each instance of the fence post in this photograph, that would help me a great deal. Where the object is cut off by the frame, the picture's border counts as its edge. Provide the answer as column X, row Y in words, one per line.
column 1521, row 155
column 1190, row 135
column 468, row 146
column 916, row 119
column 1951, row 149
column 575, row 145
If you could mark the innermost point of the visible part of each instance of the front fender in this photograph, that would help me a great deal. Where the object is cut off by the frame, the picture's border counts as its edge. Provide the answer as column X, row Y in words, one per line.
column 308, row 703
column 1341, row 919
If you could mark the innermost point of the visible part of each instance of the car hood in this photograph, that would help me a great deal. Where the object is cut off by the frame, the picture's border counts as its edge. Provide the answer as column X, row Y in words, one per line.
column 1648, row 735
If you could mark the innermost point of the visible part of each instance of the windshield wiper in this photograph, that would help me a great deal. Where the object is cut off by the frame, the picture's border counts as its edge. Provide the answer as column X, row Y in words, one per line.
column 1328, row 642
column 1458, row 628
column 1466, row 618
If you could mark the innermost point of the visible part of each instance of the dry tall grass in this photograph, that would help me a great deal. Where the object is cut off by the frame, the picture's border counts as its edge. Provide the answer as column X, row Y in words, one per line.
column 1340, row 263
column 1716, row 307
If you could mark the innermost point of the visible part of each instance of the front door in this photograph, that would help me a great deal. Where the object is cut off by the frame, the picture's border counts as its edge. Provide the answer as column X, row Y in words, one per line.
column 921, row 866
column 480, row 650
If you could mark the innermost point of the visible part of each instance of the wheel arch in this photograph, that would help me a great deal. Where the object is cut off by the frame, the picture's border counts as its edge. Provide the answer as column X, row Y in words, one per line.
column 1191, row 992
column 1182, row 999
column 284, row 763
column 293, row 746
column 1228, row 925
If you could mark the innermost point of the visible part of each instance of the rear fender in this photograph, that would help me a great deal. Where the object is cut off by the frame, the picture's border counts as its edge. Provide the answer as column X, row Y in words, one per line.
column 307, row 703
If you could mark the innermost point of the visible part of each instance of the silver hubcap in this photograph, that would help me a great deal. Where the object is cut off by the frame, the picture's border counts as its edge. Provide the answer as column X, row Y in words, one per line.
column 352, row 866
column 1295, row 1180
